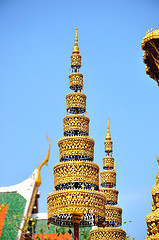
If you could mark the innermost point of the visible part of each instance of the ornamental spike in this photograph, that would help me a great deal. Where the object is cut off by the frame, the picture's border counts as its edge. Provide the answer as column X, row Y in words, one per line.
column 76, row 48
column 108, row 136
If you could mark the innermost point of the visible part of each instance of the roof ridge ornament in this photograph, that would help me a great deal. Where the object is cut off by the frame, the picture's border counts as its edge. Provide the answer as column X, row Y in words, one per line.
column 38, row 177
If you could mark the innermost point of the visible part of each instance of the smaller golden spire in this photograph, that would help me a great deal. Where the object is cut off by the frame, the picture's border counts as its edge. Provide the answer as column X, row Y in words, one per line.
column 108, row 136
column 76, row 48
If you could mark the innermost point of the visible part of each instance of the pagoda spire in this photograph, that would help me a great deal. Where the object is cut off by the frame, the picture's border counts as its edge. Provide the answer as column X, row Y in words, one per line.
column 76, row 200
column 113, row 214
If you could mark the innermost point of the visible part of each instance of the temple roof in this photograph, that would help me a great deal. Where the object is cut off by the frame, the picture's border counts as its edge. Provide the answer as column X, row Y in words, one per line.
column 16, row 202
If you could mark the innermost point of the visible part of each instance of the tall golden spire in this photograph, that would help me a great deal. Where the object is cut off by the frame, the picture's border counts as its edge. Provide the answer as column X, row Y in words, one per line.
column 113, row 213
column 76, row 48
column 76, row 200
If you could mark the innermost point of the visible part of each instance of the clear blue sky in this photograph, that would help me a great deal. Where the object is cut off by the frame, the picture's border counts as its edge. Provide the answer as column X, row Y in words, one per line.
column 35, row 47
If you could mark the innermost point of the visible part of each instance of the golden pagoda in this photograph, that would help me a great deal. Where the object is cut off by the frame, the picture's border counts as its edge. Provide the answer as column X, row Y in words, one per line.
column 75, row 200
column 152, row 219
column 150, row 45
column 113, row 214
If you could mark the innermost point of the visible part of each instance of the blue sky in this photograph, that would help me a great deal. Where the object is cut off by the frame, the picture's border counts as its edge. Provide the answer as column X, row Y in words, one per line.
column 36, row 42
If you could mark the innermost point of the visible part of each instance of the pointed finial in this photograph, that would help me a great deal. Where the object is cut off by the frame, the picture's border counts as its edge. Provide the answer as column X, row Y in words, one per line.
column 76, row 34
column 108, row 136
column 76, row 48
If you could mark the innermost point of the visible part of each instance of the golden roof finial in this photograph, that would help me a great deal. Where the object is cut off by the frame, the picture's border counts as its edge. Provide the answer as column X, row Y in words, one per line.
column 108, row 136
column 38, row 177
column 76, row 48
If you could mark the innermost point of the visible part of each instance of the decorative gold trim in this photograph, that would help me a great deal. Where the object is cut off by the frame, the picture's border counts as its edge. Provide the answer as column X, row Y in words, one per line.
column 78, row 171
column 76, row 122
column 111, row 194
column 76, row 145
column 76, row 100
column 113, row 213
column 152, row 219
column 75, row 79
column 108, row 162
column 107, row 233
column 108, row 145
column 75, row 60
column 74, row 201
column 149, row 36
column 108, row 176
column 151, row 54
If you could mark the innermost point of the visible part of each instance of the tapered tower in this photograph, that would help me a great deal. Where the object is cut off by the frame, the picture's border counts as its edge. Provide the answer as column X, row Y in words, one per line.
column 113, row 214
column 152, row 219
column 76, row 200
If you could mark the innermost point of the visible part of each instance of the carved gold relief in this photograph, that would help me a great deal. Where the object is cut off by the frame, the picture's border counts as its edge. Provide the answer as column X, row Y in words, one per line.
column 76, row 79
column 76, row 145
column 150, row 36
column 76, row 100
column 152, row 219
column 111, row 194
column 74, row 201
column 108, row 162
column 75, row 60
column 113, row 213
column 108, row 145
column 107, row 233
column 108, row 176
column 150, row 45
column 76, row 122
column 78, row 171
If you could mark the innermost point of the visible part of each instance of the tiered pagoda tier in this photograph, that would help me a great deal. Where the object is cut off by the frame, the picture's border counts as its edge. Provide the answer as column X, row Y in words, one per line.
column 152, row 219
column 150, row 45
column 75, row 198
column 113, row 214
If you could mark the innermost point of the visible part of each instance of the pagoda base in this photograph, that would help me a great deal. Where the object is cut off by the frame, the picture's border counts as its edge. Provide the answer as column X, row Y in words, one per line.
column 64, row 204
column 107, row 233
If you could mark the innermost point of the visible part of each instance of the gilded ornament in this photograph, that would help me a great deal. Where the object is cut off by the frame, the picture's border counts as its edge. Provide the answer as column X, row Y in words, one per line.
column 76, row 79
column 38, row 177
column 108, row 162
column 75, row 122
column 69, row 202
column 75, row 199
column 108, row 176
column 152, row 219
column 109, row 233
column 150, row 45
column 111, row 195
column 113, row 214
column 76, row 100
column 79, row 171
column 76, row 145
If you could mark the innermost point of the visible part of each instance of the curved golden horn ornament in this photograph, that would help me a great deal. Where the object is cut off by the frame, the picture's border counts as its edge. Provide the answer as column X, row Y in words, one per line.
column 38, row 177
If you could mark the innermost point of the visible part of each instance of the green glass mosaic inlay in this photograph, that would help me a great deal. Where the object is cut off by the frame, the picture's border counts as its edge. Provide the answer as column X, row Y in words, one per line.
column 14, row 214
